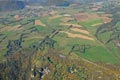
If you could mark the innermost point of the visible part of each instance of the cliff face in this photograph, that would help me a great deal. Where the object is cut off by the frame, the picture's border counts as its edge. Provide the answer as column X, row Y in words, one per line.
column 8, row 5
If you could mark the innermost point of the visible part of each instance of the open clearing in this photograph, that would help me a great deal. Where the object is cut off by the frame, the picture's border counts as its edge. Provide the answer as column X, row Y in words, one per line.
column 38, row 22
column 77, row 36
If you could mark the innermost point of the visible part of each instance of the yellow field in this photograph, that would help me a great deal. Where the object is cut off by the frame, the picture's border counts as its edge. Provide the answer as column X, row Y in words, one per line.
column 80, row 30
column 77, row 36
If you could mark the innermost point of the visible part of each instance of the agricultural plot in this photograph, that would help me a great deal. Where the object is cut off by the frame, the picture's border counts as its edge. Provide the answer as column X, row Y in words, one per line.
column 82, row 30
column 65, row 35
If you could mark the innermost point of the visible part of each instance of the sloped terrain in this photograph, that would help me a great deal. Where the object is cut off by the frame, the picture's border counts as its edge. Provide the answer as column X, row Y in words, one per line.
column 57, row 44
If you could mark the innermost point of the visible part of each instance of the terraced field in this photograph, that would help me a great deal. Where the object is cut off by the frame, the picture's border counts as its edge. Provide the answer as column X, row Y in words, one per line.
column 62, row 38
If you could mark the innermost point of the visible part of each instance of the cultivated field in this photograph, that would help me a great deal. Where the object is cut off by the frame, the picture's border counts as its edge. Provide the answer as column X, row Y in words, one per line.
column 72, row 39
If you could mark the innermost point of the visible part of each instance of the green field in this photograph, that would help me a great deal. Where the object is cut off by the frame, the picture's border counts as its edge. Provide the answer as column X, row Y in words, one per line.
column 98, row 53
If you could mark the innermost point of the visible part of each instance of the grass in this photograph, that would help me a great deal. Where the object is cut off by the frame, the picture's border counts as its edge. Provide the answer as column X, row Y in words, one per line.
column 104, row 36
column 2, row 52
column 64, row 43
column 114, row 49
column 95, row 54
column 6, row 32
column 44, row 20
column 91, row 22
column 29, row 42
column 88, row 25
column 40, row 28
column 99, row 54
column 118, row 24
